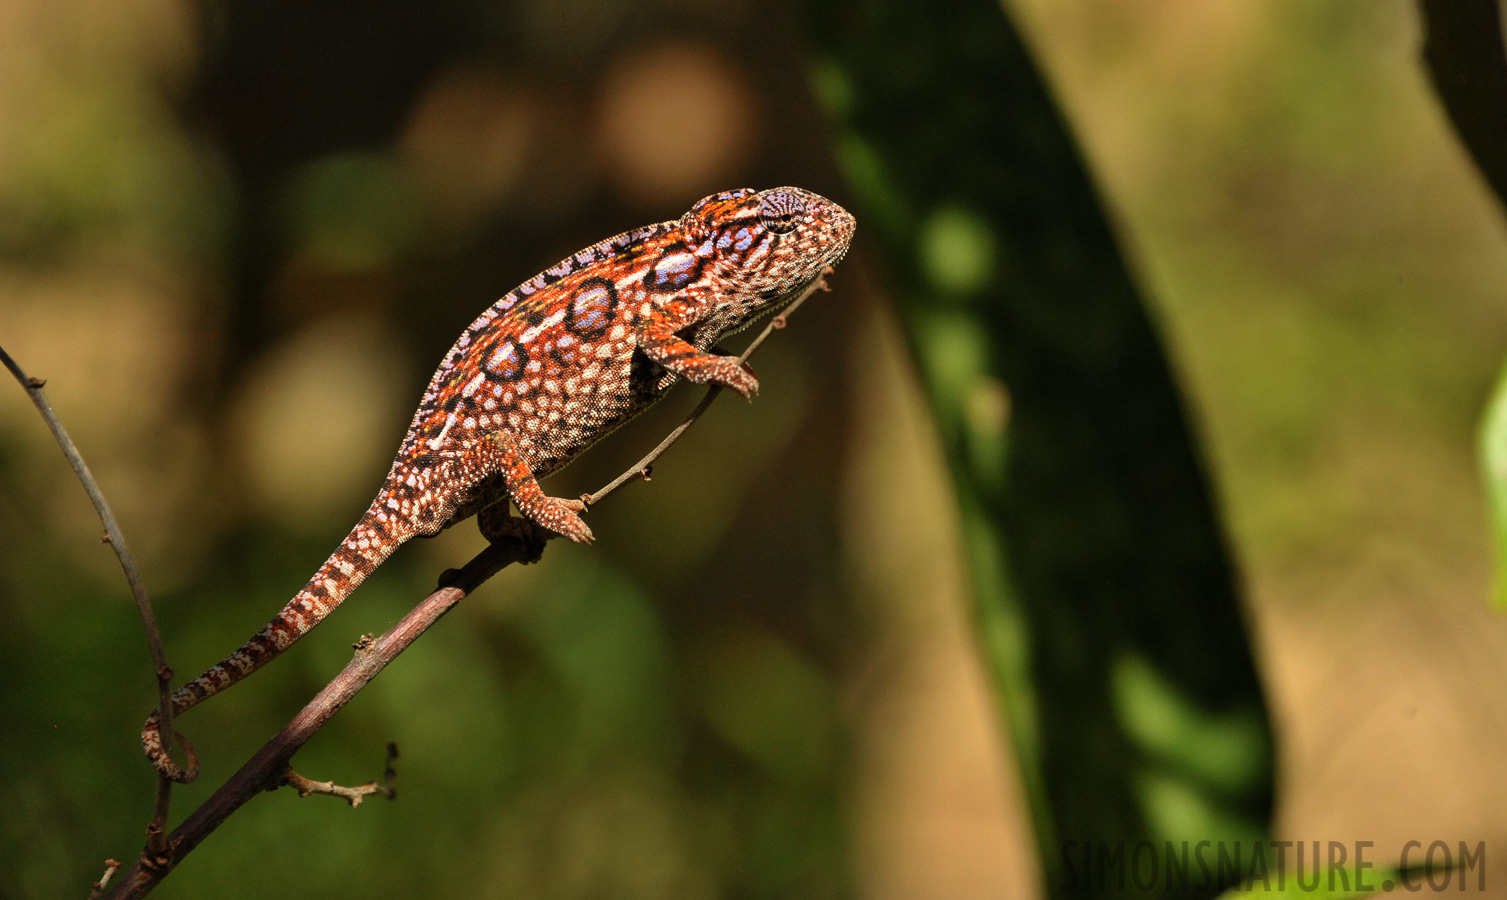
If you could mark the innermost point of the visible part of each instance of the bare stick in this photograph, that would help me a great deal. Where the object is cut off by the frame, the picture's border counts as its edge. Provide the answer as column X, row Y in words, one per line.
column 117, row 542
column 98, row 888
column 307, row 787
column 352, row 795
column 641, row 468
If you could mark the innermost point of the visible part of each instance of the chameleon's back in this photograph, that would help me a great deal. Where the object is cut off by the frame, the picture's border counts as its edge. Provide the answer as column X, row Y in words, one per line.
column 551, row 363
column 556, row 363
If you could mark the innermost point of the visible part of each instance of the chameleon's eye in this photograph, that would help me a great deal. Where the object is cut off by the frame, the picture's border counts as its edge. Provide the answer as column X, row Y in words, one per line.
column 781, row 211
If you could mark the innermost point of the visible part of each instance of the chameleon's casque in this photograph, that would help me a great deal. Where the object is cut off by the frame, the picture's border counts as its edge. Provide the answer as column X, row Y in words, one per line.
column 549, row 369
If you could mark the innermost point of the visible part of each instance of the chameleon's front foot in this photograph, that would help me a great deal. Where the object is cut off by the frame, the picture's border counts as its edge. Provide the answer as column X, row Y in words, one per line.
column 722, row 371
column 728, row 372
column 668, row 349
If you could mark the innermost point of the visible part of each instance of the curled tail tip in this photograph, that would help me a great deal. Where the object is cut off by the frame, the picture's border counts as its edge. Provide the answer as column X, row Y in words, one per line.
column 157, row 755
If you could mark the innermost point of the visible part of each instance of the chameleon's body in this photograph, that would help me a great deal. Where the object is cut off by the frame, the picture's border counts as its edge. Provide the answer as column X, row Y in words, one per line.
column 548, row 370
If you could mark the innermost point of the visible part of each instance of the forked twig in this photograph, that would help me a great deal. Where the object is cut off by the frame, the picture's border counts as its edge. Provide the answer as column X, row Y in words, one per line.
column 117, row 542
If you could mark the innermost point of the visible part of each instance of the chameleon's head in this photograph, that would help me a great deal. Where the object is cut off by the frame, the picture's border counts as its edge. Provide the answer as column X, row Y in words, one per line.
column 767, row 243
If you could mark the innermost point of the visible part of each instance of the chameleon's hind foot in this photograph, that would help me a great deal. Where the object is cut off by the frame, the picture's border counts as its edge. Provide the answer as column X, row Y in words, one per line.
column 560, row 516
column 497, row 524
column 554, row 513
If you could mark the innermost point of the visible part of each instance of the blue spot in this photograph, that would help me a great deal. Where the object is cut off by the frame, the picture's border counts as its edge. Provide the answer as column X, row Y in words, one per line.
column 508, row 360
column 591, row 308
column 673, row 271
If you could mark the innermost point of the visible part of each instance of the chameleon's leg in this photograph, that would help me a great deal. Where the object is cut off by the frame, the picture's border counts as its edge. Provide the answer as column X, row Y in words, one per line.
column 658, row 339
column 554, row 513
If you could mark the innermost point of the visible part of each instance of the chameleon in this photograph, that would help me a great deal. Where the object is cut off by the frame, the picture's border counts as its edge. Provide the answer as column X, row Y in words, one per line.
column 547, row 371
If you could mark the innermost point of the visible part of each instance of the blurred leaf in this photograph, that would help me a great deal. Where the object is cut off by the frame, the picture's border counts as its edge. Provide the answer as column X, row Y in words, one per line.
column 1493, row 455
column 1467, row 64
column 1104, row 594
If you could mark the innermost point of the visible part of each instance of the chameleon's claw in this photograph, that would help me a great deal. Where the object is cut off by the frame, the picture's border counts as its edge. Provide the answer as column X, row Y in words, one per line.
column 577, row 530
column 736, row 376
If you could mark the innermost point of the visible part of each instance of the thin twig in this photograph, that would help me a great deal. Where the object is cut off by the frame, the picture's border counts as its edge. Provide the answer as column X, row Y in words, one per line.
column 642, row 468
column 307, row 787
column 352, row 795
column 98, row 888
column 117, row 542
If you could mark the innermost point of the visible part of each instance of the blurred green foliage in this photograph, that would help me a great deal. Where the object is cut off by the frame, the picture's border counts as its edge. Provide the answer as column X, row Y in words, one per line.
column 191, row 197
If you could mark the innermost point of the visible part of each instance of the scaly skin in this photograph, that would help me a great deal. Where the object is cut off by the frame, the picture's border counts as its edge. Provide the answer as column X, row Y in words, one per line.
column 547, row 371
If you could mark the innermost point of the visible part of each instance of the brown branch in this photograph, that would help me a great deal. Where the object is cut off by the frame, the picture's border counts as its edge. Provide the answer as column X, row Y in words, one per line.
column 307, row 787
column 98, row 888
column 117, row 542
column 269, row 768
column 352, row 795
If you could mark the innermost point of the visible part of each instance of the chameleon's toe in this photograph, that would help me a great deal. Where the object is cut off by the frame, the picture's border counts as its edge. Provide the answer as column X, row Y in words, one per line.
column 560, row 516
column 576, row 530
column 738, row 377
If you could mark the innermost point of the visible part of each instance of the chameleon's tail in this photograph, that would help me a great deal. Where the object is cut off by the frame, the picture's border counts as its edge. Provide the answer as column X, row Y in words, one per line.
column 373, row 539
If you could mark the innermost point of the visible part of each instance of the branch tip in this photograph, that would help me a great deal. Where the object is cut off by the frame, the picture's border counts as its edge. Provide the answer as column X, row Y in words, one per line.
column 352, row 795
column 33, row 386
column 104, row 880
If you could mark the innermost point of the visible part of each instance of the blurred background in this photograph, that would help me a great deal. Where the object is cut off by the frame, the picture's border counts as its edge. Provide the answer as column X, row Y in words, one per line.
column 837, row 646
